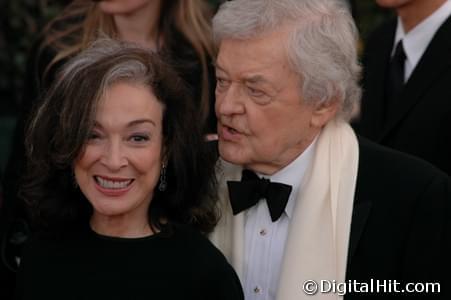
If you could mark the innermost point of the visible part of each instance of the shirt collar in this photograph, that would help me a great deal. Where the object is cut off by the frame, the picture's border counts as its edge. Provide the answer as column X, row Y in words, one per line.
column 417, row 40
column 293, row 173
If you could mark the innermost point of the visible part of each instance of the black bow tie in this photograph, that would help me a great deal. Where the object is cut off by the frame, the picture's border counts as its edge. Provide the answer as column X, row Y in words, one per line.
column 247, row 192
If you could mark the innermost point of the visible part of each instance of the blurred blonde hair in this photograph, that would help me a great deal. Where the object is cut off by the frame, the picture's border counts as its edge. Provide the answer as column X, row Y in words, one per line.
column 81, row 22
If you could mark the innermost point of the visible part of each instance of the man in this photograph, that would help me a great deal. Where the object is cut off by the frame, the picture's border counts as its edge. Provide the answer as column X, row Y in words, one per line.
column 406, row 102
column 287, row 78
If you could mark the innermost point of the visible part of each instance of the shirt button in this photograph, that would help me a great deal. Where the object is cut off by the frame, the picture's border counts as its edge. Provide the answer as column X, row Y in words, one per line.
column 257, row 290
column 263, row 232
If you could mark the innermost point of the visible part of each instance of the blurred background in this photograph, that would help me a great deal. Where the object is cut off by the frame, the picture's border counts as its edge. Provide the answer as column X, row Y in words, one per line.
column 22, row 20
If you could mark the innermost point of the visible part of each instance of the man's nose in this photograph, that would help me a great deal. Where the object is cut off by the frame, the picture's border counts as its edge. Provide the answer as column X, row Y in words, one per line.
column 229, row 101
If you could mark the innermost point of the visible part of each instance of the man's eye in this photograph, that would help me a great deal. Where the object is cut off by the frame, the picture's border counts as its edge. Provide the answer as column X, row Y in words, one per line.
column 258, row 96
column 221, row 82
column 254, row 92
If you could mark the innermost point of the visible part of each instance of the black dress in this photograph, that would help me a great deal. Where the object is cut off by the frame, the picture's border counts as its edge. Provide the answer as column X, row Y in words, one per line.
column 85, row 265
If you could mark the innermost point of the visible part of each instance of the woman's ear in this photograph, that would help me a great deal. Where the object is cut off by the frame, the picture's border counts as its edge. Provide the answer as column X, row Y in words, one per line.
column 323, row 113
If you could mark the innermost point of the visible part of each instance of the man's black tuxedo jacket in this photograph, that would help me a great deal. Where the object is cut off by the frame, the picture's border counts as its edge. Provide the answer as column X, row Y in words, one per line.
column 400, row 226
column 420, row 121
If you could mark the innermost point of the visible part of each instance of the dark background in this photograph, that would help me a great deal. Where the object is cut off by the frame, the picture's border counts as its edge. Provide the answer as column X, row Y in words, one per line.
column 22, row 20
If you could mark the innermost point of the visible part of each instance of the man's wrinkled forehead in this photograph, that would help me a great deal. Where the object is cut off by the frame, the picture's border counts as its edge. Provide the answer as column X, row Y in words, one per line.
column 253, row 58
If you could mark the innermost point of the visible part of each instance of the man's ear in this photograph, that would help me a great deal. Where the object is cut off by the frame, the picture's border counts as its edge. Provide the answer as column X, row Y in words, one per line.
column 323, row 113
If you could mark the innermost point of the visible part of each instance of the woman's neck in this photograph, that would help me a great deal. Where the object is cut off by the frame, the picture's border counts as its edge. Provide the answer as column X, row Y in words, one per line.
column 121, row 226
column 141, row 26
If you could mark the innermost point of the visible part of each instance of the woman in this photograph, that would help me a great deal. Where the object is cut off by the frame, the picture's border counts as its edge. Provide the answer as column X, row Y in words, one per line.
column 179, row 30
column 121, row 186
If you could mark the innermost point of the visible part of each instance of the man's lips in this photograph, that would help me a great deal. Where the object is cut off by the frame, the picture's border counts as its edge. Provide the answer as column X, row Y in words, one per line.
column 228, row 133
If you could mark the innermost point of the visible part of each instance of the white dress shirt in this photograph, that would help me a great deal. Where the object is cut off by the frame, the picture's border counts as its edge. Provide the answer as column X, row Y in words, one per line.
column 265, row 240
column 416, row 41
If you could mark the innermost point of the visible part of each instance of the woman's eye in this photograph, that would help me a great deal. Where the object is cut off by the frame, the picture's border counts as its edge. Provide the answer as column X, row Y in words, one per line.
column 93, row 135
column 139, row 138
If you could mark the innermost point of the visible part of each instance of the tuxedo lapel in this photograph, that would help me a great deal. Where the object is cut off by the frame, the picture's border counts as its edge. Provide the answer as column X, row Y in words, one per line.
column 435, row 61
column 360, row 214
column 362, row 203
column 376, row 60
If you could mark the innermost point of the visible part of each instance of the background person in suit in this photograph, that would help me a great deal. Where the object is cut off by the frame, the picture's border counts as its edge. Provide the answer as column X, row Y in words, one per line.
column 405, row 103
column 337, row 207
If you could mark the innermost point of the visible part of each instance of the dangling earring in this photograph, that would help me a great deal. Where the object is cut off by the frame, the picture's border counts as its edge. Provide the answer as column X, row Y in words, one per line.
column 163, row 184
column 74, row 180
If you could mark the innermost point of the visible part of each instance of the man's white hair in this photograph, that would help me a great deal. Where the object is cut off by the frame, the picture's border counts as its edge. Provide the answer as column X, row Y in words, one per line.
column 321, row 48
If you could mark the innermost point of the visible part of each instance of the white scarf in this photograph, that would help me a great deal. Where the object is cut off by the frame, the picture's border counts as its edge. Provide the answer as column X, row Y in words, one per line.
column 318, row 237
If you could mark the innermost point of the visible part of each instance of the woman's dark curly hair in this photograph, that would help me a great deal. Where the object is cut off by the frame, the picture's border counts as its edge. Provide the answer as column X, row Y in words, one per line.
column 61, row 125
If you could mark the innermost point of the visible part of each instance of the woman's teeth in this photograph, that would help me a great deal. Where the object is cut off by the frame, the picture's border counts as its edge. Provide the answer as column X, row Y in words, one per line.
column 112, row 184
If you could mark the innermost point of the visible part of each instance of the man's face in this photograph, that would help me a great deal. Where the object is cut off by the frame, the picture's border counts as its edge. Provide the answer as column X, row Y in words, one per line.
column 394, row 4
column 263, row 122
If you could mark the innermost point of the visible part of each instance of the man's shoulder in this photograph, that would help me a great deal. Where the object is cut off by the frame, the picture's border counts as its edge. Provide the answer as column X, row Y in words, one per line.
column 386, row 166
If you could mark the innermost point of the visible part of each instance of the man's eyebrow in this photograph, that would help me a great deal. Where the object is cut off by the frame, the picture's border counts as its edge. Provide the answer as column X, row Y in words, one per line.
column 216, row 66
column 255, row 79
column 249, row 79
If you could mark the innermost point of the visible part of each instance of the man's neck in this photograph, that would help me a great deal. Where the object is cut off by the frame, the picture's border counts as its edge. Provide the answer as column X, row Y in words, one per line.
column 414, row 12
column 271, row 168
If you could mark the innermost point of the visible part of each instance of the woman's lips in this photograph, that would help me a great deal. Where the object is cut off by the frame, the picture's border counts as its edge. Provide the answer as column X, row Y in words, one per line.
column 113, row 186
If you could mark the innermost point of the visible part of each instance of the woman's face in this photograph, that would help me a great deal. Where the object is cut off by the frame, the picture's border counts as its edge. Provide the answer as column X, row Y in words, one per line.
column 125, row 7
column 120, row 165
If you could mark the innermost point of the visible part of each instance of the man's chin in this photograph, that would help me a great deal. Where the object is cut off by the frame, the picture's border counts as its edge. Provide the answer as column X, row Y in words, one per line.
column 230, row 153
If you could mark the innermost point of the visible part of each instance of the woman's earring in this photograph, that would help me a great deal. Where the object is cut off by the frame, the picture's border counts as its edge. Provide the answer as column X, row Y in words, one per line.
column 163, row 184
column 74, row 180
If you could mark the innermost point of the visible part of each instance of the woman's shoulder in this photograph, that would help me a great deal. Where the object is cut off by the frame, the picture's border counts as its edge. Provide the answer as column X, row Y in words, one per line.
column 188, row 234
column 210, row 266
column 46, row 253
column 197, row 245
column 46, row 242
